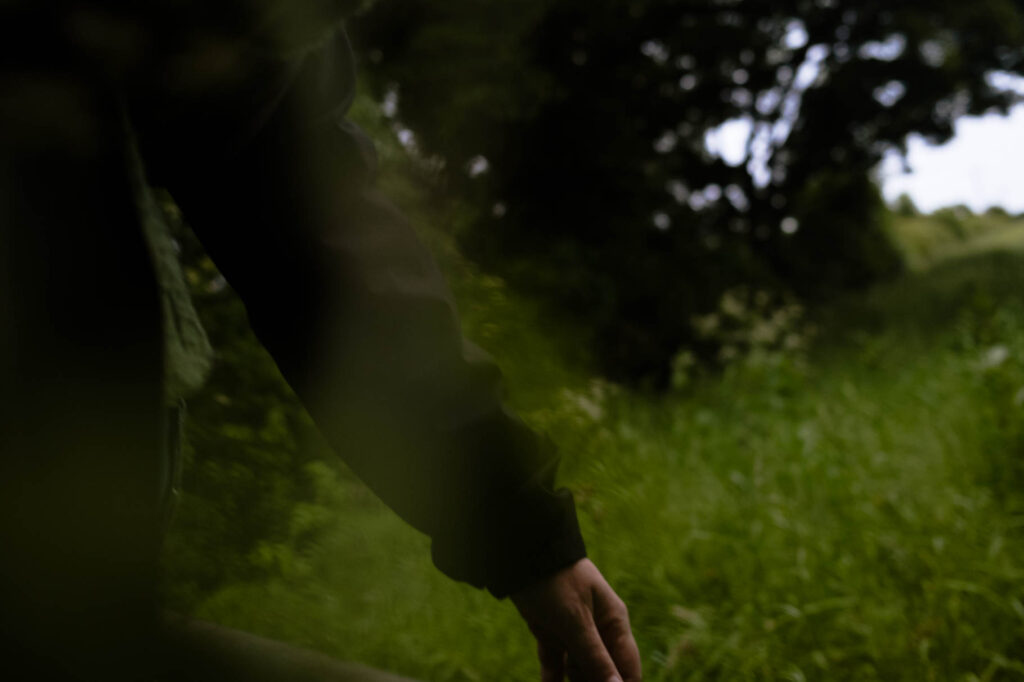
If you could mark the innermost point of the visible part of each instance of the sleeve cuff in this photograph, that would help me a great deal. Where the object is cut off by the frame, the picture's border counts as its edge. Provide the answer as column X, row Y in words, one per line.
column 521, row 545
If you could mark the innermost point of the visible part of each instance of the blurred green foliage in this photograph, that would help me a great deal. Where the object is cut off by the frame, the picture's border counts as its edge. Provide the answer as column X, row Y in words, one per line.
column 845, row 511
column 905, row 207
column 586, row 138
column 848, row 246
column 251, row 454
column 829, row 491
column 845, row 505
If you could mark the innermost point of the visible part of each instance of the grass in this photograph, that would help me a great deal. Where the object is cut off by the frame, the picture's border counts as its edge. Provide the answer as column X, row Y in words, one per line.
column 954, row 232
column 851, row 512
column 855, row 513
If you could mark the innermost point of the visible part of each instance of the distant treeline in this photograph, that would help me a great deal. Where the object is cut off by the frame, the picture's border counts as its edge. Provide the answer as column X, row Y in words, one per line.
column 924, row 238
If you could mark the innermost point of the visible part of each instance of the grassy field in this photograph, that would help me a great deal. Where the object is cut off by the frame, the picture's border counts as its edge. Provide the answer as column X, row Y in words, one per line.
column 953, row 233
column 852, row 511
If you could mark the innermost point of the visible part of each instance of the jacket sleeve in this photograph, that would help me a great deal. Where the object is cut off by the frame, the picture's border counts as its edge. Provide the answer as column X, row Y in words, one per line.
column 358, row 318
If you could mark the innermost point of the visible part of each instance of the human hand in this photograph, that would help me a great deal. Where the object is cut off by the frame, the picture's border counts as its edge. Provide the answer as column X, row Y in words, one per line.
column 581, row 627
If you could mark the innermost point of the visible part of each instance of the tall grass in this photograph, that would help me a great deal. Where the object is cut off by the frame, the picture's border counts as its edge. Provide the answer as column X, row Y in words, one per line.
column 849, row 511
column 852, row 513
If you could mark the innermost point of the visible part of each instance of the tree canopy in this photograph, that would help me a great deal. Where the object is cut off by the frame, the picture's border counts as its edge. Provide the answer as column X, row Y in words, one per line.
column 630, row 160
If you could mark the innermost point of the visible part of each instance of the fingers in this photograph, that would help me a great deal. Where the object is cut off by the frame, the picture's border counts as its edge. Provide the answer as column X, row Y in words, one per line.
column 587, row 653
column 625, row 653
column 552, row 662
column 581, row 626
column 612, row 620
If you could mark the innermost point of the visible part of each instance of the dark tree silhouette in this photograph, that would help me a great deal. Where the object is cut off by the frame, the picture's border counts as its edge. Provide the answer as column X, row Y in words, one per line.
column 588, row 137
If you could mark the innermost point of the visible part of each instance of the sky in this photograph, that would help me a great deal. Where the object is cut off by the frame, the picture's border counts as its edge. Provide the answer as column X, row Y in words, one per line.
column 982, row 166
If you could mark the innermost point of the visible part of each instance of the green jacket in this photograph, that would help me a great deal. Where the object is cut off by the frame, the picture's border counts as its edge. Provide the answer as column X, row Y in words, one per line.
column 238, row 109
column 279, row 187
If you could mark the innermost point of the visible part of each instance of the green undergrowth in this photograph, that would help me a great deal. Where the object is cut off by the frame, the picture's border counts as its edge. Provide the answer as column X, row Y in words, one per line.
column 851, row 513
column 848, row 506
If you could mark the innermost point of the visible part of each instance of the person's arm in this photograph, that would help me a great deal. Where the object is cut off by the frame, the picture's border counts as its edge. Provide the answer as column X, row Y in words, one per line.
column 357, row 316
